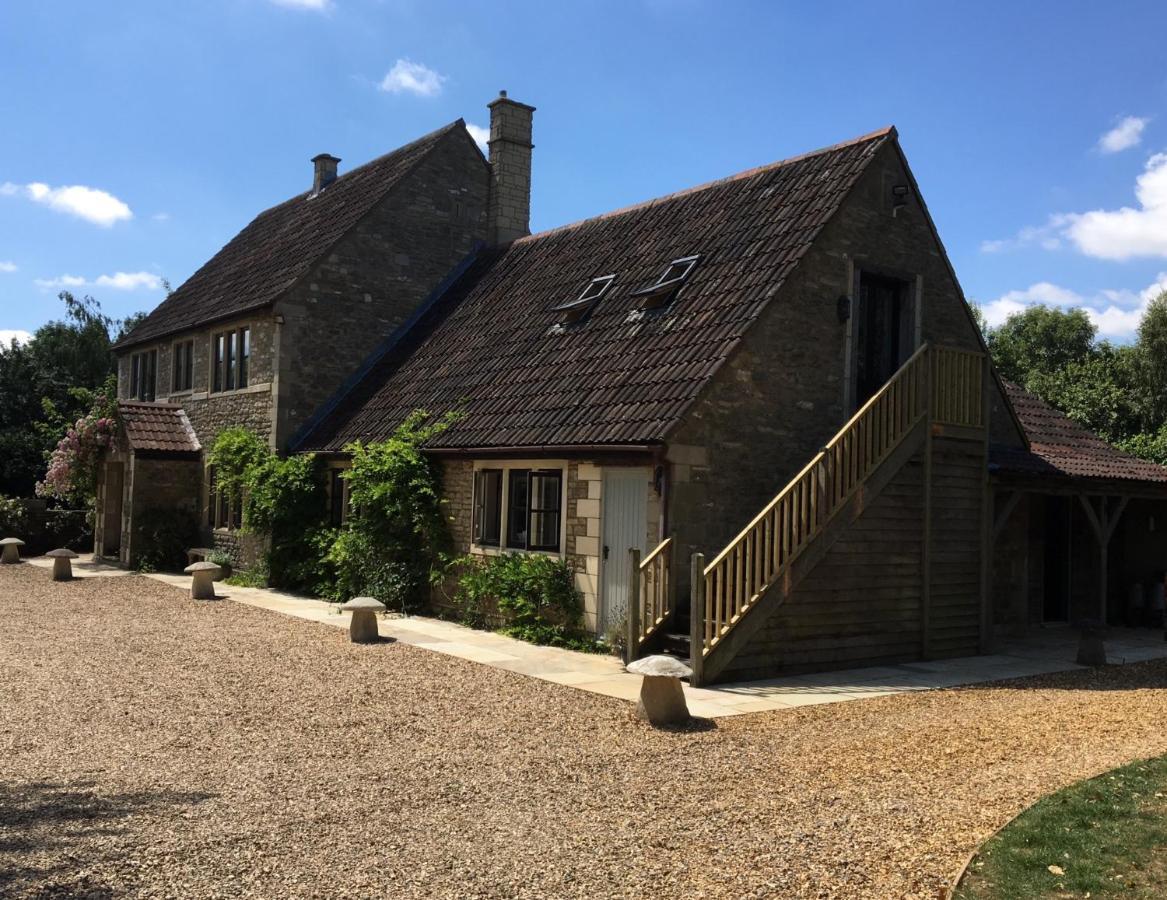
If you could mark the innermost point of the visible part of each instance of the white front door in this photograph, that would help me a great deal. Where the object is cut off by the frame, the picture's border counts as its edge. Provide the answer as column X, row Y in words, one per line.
column 625, row 524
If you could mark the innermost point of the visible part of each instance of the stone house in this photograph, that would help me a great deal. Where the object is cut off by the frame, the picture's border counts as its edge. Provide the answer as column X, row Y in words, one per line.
column 756, row 417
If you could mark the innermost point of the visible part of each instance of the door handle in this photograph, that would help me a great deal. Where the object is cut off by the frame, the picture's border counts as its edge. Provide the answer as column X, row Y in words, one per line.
column 605, row 551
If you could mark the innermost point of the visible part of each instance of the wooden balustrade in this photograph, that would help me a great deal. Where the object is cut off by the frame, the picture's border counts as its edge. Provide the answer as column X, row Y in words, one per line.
column 941, row 382
column 650, row 596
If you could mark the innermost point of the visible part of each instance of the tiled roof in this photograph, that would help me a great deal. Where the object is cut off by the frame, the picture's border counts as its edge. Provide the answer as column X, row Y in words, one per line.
column 495, row 349
column 281, row 245
column 1061, row 448
column 158, row 427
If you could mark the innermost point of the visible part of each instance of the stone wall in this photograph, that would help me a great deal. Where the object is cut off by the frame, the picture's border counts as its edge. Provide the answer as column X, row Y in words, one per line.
column 785, row 392
column 375, row 277
column 209, row 412
column 583, row 530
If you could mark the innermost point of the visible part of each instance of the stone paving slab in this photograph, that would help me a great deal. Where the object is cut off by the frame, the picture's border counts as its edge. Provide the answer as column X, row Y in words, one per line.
column 1051, row 650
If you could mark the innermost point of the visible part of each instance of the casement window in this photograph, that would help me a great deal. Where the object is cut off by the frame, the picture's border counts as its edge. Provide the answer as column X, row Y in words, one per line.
column 224, row 508
column 183, row 378
column 488, row 507
column 231, row 359
column 143, row 375
column 519, row 508
column 338, row 502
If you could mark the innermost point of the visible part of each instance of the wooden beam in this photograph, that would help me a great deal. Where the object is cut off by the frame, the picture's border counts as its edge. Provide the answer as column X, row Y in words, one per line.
column 1115, row 516
column 1002, row 517
column 987, row 533
column 926, row 546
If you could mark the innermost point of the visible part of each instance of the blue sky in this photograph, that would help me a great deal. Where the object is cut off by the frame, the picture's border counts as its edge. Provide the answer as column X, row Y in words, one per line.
column 140, row 136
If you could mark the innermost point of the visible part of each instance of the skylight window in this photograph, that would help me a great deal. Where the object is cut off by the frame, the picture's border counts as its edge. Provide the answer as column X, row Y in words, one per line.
column 667, row 285
column 576, row 309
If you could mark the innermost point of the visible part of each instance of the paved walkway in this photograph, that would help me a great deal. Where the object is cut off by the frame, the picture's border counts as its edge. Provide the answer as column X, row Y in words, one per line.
column 1051, row 650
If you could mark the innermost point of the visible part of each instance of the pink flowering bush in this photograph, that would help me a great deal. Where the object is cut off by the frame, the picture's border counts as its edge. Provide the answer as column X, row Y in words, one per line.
column 72, row 472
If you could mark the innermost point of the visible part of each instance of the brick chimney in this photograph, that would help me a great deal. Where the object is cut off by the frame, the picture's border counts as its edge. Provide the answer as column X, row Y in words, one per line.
column 509, row 212
column 325, row 172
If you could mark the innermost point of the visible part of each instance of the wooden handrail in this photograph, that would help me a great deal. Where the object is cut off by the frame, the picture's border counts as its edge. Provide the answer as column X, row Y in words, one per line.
column 650, row 602
column 940, row 382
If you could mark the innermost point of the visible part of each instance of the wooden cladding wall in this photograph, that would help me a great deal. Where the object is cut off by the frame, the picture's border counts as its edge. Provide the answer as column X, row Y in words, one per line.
column 958, row 471
column 862, row 604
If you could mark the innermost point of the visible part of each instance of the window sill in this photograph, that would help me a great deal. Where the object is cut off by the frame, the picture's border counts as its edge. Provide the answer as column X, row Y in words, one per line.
column 479, row 550
column 258, row 388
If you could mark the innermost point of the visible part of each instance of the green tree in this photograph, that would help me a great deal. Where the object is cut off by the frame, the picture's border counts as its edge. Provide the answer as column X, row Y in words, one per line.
column 47, row 384
column 1041, row 341
column 1151, row 348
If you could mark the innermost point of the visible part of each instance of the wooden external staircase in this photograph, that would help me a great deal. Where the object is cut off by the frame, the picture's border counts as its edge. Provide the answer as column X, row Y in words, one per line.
column 938, row 388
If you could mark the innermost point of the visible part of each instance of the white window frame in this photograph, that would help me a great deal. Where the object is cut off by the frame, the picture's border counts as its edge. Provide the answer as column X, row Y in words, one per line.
column 504, row 506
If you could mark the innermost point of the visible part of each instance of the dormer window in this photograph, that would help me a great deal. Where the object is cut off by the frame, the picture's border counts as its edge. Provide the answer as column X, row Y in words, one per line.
column 576, row 309
column 667, row 285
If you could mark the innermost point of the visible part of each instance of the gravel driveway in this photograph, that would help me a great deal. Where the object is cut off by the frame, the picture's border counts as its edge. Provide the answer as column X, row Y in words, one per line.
column 151, row 746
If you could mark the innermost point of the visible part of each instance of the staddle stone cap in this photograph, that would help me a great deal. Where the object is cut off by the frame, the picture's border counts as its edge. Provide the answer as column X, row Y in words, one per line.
column 364, row 603
column 6, row 541
column 203, row 566
column 62, row 553
column 659, row 666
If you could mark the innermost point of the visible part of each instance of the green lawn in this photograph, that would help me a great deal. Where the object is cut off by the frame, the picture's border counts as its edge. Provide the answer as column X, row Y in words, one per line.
column 1106, row 837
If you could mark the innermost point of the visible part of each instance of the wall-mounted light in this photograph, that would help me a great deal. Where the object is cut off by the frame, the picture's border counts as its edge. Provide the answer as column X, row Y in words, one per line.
column 899, row 195
column 843, row 308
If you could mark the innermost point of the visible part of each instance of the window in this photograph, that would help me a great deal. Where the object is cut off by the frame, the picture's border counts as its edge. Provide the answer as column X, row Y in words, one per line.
column 487, row 507
column 337, row 497
column 576, row 309
column 224, row 508
column 232, row 359
column 523, row 505
column 183, row 379
column 667, row 285
column 143, row 375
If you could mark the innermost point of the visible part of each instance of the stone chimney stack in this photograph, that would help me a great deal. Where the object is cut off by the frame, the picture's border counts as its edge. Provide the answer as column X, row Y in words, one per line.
column 509, row 212
column 325, row 172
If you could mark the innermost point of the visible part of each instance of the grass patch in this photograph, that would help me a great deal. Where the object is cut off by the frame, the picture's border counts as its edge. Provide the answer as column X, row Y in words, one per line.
column 1106, row 837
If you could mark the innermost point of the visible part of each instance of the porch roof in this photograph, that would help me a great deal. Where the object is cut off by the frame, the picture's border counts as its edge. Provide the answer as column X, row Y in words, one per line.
column 158, row 428
column 1060, row 448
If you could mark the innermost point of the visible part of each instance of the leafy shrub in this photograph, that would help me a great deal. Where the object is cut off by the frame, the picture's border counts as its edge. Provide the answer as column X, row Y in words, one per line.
column 534, row 595
column 396, row 532
column 13, row 517
column 161, row 539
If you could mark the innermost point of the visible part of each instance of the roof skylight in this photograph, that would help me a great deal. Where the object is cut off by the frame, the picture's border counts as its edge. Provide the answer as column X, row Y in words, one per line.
column 576, row 309
column 667, row 284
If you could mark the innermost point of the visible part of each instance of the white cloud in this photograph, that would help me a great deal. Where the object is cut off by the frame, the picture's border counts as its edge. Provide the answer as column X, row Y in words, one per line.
column 129, row 281
column 61, row 281
column 1126, row 232
column 1115, row 313
column 8, row 335
column 1117, row 234
column 318, row 5
column 94, row 205
column 7, row 265
column 481, row 135
column 1126, row 134
column 118, row 281
column 408, row 77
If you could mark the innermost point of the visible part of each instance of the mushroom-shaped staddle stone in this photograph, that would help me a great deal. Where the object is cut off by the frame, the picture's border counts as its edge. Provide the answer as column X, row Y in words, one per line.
column 62, row 563
column 363, row 627
column 202, row 583
column 662, row 699
column 10, row 552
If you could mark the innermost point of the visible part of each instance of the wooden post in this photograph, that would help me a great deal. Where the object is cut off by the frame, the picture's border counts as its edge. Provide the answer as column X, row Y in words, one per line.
column 632, row 642
column 926, row 547
column 696, row 618
column 986, row 641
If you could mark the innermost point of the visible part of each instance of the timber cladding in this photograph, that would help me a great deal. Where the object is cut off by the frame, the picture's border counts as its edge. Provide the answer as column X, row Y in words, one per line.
column 863, row 604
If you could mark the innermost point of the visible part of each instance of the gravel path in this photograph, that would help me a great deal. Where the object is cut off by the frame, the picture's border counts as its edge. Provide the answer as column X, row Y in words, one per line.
column 151, row 746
